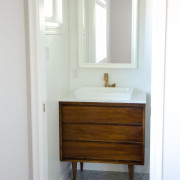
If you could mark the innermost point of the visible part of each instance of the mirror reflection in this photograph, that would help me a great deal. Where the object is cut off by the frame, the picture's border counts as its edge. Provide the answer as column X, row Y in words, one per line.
column 109, row 31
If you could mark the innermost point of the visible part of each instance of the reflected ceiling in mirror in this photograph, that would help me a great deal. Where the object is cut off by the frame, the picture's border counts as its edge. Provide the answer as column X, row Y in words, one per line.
column 108, row 33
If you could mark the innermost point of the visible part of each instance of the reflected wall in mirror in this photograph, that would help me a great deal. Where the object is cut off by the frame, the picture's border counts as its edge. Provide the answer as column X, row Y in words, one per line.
column 108, row 33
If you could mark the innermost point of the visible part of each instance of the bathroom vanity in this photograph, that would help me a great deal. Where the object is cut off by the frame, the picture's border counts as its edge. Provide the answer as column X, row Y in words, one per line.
column 102, row 131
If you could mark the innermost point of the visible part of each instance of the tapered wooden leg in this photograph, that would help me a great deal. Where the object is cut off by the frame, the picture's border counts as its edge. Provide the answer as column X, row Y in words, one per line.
column 131, row 171
column 81, row 163
column 74, row 167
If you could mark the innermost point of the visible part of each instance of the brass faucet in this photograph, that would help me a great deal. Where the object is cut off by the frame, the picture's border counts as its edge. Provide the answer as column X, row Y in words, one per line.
column 106, row 78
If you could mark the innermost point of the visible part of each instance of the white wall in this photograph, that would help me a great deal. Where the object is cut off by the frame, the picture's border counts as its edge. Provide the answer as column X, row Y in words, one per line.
column 14, row 163
column 57, row 73
column 171, row 157
column 139, row 78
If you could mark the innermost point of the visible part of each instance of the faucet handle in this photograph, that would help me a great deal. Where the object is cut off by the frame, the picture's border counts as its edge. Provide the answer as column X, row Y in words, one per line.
column 106, row 77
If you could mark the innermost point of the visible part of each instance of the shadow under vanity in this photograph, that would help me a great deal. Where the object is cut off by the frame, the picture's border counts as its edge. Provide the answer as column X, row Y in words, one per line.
column 102, row 131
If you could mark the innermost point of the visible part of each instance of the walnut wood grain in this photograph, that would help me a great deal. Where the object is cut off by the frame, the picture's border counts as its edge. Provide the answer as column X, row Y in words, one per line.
column 106, row 133
column 60, row 129
column 131, row 171
column 102, row 114
column 94, row 160
column 81, row 164
column 102, row 133
column 102, row 151
column 74, row 167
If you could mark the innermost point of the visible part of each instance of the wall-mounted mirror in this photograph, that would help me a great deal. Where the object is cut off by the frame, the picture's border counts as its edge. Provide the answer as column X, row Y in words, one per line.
column 107, row 33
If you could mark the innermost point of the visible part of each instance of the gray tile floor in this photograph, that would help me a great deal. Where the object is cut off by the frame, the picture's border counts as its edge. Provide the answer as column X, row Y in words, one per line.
column 99, row 175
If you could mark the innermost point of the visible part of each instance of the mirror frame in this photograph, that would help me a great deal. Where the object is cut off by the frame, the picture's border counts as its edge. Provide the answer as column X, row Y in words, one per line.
column 134, row 44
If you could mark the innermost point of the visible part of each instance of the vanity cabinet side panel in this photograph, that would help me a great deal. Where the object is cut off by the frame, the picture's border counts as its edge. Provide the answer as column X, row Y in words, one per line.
column 143, row 135
column 60, row 130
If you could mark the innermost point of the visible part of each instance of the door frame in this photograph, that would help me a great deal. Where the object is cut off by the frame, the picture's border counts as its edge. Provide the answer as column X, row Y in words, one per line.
column 33, row 31
column 158, row 88
column 34, row 27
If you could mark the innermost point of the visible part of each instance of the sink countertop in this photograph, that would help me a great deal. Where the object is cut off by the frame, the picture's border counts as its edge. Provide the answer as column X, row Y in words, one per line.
column 137, row 98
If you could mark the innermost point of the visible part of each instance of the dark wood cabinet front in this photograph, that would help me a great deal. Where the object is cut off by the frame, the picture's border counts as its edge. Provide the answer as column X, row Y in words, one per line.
column 102, row 132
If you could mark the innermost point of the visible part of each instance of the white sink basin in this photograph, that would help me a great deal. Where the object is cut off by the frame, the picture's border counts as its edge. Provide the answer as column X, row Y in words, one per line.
column 103, row 93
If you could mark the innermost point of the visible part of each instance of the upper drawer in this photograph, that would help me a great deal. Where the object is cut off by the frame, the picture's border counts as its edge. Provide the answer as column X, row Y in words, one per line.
column 102, row 114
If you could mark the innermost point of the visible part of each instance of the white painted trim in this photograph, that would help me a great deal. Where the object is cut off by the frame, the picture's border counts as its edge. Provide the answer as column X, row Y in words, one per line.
column 134, row 47
column 134, row 34
column 34, row 90
column 80, row 32
column 34, row 56
column 108, row 65
column 28, row 89
column 157, row 90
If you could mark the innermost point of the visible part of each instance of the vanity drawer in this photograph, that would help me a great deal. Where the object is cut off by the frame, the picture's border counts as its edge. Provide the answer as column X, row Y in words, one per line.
column 100, row 132
column 102, row 114
column 101, row 151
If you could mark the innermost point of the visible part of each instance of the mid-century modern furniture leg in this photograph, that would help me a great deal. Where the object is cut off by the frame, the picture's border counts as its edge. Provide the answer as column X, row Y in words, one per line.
column 131, row 171
column 74, row 167
column 81, row 163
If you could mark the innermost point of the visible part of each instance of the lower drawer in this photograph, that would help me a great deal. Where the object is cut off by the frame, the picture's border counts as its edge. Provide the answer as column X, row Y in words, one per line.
column 101, row 151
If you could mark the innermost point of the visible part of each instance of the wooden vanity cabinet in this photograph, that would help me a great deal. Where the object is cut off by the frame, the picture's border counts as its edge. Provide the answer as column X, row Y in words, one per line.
column 102, row 133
